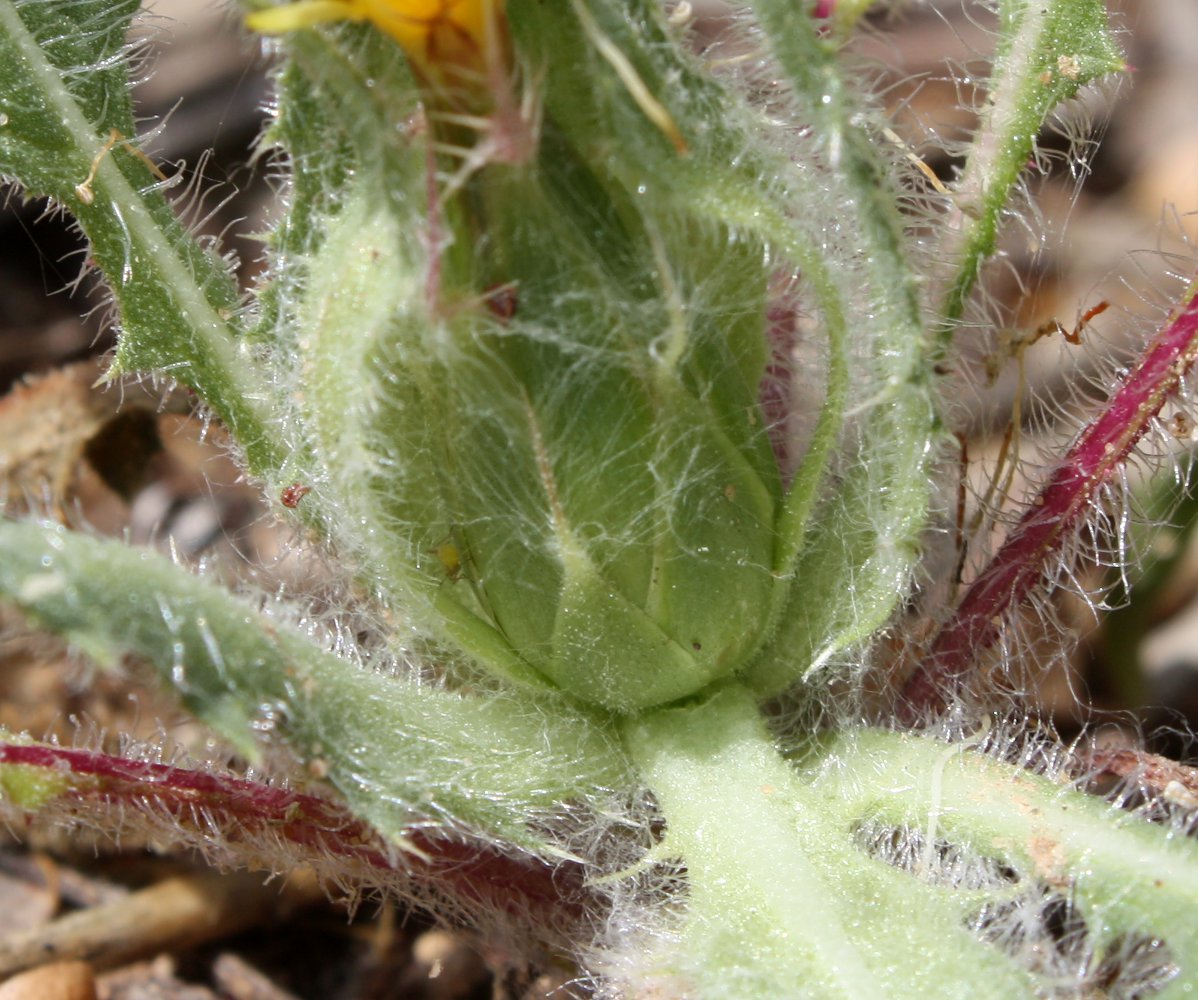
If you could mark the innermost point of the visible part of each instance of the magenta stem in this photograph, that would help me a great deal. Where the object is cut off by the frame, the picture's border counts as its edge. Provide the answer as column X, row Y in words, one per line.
column 316, row 827
column 1021, row 562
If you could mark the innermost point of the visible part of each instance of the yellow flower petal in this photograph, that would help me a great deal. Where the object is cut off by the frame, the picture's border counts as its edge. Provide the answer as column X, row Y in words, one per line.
column 438, row 35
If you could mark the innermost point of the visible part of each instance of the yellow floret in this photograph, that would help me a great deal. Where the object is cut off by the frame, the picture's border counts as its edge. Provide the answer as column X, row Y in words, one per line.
column 438, row 35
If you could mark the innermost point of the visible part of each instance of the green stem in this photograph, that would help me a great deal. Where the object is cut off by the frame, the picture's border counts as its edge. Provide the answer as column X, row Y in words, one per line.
column 1047, row 53
column 781, row 900
column 1127, row 877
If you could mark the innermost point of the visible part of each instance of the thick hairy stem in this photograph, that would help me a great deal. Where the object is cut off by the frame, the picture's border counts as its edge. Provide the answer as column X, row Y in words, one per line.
column 782, row 901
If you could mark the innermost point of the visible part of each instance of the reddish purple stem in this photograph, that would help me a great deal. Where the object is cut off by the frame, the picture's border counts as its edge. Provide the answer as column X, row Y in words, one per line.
column 317, row 827
column 1021, row 562
column 776, row 385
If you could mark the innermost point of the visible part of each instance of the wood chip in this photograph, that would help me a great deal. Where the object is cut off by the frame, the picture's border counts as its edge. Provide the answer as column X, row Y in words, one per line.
column 24, row 903
column 58, row 981
column 154, row 980
column 238, row 980
column 175, row 914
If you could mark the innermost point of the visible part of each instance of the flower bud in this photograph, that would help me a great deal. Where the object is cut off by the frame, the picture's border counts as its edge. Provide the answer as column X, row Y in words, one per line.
column 613, row 488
